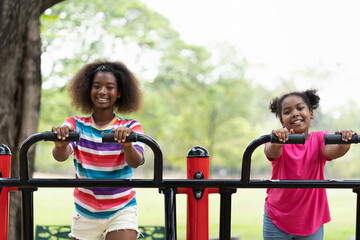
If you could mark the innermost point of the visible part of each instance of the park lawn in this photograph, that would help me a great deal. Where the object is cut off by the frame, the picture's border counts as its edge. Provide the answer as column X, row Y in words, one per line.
column 54, row 206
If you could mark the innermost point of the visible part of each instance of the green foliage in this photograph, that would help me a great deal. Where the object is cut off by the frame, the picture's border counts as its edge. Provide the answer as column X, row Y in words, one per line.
column 55, row 107
column 192, row 96
column 347, row 117
column 195, row 99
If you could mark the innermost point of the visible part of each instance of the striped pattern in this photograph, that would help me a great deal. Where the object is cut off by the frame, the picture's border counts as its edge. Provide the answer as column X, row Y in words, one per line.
column 96, row 160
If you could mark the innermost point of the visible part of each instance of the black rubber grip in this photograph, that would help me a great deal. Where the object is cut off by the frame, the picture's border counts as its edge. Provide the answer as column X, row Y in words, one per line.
column 109, row 137
column 293, row 139
column 337, row 139
column 50, row 136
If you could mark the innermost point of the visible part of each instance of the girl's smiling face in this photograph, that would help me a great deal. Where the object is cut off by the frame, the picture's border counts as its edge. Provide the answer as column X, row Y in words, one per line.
column 104, row 91
column 296, row 115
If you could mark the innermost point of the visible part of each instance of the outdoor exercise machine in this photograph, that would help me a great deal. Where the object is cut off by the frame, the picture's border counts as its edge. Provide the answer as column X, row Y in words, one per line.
column 197, row 186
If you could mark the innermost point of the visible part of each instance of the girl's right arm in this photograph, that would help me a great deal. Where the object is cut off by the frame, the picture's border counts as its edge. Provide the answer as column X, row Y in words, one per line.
column 62, row 150
column 274, row 150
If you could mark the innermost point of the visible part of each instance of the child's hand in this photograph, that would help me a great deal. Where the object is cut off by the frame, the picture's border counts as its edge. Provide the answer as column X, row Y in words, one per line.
column 346, row 134
column 132, row 156
column 274, row 150
column 62, row 133
column 282, row 134
column 61, row 151
column 120, row 135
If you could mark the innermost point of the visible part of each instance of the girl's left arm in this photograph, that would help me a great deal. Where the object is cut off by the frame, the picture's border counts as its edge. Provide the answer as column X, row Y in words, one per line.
column 132, row 156
column 333, row 151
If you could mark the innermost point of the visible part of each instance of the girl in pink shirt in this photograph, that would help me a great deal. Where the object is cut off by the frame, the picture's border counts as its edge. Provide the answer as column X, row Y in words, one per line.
column 298, row 213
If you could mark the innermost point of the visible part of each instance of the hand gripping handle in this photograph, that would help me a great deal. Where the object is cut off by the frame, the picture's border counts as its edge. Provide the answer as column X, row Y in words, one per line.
column 337, row 139
column 293, row 139
column 109, row 137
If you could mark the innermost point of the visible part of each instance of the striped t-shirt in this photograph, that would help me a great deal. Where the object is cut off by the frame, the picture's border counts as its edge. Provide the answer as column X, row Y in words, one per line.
column 96, row 160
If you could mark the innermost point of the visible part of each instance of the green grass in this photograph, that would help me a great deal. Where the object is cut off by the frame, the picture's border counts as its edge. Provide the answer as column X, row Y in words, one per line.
column 54, row 206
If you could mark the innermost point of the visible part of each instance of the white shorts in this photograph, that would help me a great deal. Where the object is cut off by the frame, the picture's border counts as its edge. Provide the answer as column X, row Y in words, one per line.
column 84, row 228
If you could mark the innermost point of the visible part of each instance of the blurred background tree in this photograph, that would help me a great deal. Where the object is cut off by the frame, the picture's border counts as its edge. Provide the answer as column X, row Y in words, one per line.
column 20, row 78
column 192, row 95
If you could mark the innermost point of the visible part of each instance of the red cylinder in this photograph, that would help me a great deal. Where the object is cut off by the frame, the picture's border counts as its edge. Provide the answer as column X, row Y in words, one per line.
column 5, row 161
column 197, row 199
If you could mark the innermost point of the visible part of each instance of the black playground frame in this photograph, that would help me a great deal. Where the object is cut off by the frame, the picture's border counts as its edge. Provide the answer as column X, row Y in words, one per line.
column 169, row 186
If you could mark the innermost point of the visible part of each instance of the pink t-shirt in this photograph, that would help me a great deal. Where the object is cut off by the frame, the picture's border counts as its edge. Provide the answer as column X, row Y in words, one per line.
column 299, row 211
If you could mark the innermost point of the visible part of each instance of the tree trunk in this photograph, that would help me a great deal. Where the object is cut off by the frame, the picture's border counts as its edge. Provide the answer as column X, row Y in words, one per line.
column 20, row 79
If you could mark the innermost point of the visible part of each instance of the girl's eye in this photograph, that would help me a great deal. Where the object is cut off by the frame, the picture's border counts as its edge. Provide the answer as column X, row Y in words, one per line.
column 96, row 86
column 300, row 108
column 110, row 88
column 286, row 112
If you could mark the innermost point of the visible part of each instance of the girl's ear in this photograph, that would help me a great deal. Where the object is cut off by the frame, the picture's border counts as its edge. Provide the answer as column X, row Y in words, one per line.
column 312, row 115
column 119, row 95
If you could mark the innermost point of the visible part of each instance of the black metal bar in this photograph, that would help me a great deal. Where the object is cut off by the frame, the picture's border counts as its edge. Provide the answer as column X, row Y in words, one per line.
column 225, row 213
column 158, row 158
column 246, row 163
column 69, row 182
column 170, row 213
column 357, row 228
column 179, row 183
column 27, row 213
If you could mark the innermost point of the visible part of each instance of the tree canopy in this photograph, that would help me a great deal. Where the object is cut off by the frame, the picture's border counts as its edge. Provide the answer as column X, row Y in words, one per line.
column 192, row 95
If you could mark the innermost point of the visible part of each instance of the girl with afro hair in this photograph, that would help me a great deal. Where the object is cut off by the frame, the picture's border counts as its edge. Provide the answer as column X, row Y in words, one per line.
column 100, row 89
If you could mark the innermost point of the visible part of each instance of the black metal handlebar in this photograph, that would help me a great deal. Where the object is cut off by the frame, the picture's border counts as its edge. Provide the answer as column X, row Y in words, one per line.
column 45, row 136
column 246, row 164
column 136, row 137
column 75, row 136
column 293, row 139
column 158, row 158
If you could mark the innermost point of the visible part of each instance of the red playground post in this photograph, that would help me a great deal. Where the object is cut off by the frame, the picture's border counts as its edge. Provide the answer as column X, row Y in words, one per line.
column 197, row 199
column 5, row 161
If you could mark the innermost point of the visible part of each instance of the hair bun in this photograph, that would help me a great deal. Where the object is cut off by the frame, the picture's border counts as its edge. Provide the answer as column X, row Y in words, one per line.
column 313, row 97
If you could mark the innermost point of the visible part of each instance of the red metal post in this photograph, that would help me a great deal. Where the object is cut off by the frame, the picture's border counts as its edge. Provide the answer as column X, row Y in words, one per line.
column 197, row 199
column 197, row 227
column 5, row 161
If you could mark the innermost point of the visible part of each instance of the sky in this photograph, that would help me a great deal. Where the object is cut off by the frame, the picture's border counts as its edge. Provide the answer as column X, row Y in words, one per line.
column 280, row 38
